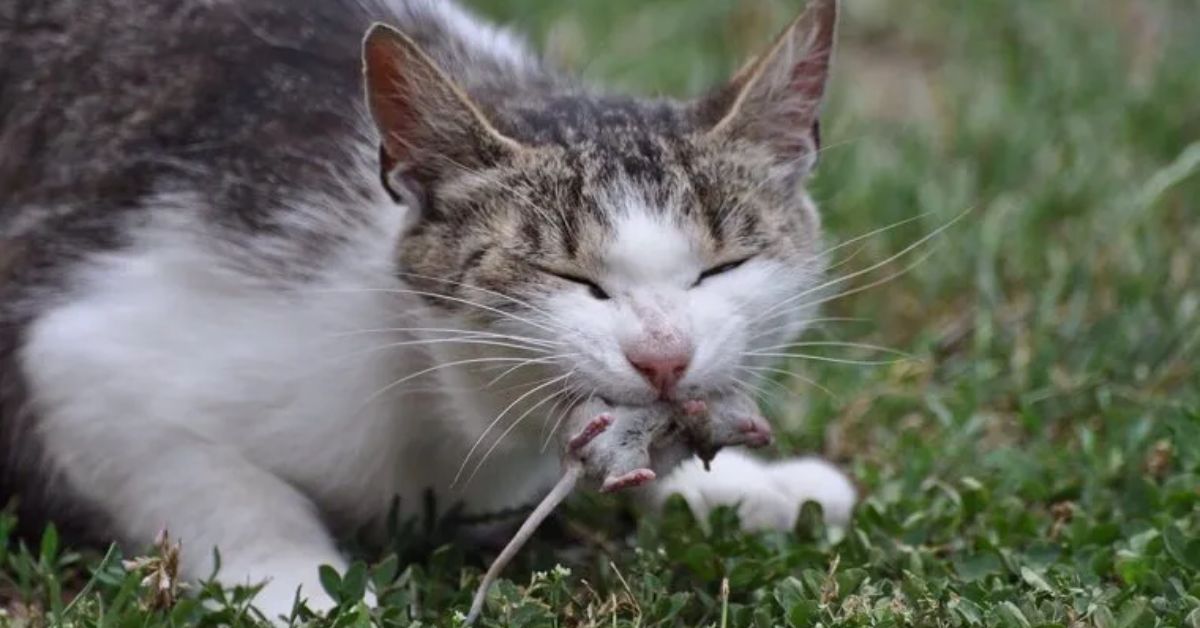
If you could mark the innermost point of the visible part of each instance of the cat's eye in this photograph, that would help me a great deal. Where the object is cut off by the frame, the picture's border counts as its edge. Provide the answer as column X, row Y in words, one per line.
column 593, row 288
column 596, row 291
column 717, row 270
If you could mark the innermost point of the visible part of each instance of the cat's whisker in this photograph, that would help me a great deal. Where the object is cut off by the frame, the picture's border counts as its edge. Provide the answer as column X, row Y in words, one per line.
column 760, row 377
column 521, row 385
column 445, row 330
column 844, row 278
column 863, row 288
column 842, row 144
column 874, row 232
column 562, row 417
column 551, row 413
column 762, row 370
column 437, row 367
column 483, row 459
column 497, row 293
column 754, row 391
column 524, row 385
column 511, row 369
column 437, row 341
column 837, row 343
column 846, row 260
column 496, row 421
column 809, row 323
column 445, row 297
column 821, row 358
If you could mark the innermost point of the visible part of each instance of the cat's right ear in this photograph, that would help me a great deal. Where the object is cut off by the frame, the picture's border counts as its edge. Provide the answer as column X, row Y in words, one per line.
column 427, row 124
column 775, row 100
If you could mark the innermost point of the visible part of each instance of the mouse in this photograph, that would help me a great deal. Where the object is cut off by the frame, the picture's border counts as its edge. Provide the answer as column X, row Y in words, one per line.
column 615, row 447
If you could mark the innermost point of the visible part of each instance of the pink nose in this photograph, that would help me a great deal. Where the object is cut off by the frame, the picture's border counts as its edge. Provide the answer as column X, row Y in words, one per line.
column 663, row 372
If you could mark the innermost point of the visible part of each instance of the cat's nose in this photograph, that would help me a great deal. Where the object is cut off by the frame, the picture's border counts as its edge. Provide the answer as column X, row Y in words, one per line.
column 662, row 370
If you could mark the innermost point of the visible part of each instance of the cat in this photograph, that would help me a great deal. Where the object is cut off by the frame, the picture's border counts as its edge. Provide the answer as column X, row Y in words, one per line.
column 267, row 266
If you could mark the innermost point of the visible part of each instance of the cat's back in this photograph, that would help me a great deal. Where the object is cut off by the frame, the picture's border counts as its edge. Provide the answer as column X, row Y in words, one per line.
column 107, row 101
column 101, row 101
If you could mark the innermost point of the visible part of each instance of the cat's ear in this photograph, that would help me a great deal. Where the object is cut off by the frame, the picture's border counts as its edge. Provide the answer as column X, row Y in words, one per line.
column 426, row 122
column 776, row 98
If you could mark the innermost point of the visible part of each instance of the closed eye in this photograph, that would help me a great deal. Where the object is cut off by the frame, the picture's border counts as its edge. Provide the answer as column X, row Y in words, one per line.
column 717, row 270
column 593, row 288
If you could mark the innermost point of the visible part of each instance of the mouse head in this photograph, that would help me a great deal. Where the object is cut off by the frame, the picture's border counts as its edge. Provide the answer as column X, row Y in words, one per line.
column 639, row 247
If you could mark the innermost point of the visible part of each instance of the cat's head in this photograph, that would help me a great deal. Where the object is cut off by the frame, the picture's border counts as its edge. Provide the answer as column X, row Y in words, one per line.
column 644, row 247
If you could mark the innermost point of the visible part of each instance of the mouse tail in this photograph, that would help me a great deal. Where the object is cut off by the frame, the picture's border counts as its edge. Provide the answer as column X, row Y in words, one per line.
column 551, row 501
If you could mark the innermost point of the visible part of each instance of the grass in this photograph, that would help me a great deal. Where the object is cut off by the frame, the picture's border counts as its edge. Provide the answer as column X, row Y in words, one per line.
column 1036, row 464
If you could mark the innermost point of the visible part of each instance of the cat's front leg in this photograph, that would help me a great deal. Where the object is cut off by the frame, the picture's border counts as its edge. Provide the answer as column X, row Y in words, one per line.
column 156, row 477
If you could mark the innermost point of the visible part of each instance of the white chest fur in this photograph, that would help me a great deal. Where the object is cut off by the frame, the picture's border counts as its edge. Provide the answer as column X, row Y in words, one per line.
column 163, row 345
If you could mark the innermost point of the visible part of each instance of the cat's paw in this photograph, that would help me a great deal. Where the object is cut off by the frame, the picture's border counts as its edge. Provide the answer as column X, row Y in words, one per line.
column 288, row 581
column 277, row 597
column 767, row 495
column 813, row 479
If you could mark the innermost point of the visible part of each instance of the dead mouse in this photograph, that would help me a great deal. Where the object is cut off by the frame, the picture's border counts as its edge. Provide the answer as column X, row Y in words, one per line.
column 619, row 447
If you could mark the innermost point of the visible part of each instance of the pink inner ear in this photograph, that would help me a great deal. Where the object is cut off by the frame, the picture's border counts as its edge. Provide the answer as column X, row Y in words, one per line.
column 389, row 92
column 808, row 79
column 807, row 87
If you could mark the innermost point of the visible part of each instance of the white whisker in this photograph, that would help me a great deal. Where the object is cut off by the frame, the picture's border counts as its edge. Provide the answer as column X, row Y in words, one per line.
column 835, row 343
column 551, row 412
column 480, row 289
column 426, row 371
column 754, row 391
column 445, row 330
column 863, row 288
column 875, row 232
column 810, row 321
column 833, row 282
column 446, row 297
column 510, row 369
column 437, row 341
column 760, row 377
column 479, row 465
column 562, row 417
column 821, row 358
column 492, row 425
column 767, row 369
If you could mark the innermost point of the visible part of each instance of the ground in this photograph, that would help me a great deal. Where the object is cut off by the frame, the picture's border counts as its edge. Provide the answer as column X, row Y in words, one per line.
column 1034, row 460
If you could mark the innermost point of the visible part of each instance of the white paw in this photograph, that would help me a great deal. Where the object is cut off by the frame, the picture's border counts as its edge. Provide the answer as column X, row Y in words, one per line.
column 813, row 479
column 280, row 583
column 277, row 598
column 767, row 495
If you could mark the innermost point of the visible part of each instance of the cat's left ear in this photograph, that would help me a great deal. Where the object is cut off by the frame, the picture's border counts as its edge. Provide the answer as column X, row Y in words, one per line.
column 776, row 99
column 427, row 123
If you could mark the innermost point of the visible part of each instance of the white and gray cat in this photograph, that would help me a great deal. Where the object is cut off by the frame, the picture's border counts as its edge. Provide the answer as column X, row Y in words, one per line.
column 242, row 302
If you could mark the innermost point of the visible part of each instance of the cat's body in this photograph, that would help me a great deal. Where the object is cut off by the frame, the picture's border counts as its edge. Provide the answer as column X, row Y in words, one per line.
column 214, row 316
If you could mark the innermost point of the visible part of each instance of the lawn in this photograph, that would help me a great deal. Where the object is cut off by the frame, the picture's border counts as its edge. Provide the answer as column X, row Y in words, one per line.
column 1033, row 461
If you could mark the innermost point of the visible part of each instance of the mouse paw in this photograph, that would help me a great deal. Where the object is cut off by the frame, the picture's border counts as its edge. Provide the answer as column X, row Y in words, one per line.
column 755, row 431
column 637, row 477
column 724, row 421
column 594, row 428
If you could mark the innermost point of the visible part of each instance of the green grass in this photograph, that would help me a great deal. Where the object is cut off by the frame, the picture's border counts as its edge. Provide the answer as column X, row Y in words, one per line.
column 1036, row 464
